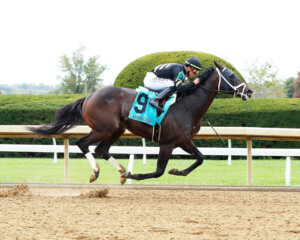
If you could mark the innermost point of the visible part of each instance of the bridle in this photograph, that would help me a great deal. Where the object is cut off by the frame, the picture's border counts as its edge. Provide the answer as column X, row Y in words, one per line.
column 235, row 93
column 235, row 90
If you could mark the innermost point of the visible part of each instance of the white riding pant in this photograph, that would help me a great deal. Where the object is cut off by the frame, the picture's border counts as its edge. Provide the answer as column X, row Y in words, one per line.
column 153, row 82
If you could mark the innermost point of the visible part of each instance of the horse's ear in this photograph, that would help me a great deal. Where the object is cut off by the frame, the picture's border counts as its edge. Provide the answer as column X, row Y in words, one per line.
column 218, row 65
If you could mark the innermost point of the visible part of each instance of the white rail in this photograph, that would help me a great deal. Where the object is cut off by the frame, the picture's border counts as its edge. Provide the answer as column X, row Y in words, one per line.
column 245, row 133
column 144, row 150
column 263, row 152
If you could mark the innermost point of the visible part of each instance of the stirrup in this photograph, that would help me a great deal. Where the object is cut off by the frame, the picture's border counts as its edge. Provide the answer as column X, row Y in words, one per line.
column 156, row 105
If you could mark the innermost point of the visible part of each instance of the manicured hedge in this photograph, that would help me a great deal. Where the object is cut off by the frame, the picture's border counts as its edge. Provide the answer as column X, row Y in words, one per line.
column 276, row 113
column 282, row 113
column 32, row 109
column 273, row 113
column 133, row 74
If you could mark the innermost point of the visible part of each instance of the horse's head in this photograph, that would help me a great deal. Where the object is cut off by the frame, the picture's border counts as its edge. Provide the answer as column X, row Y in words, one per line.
column 229, row 82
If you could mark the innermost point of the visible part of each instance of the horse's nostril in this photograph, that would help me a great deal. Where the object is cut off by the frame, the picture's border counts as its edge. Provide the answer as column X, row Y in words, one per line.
column 249, row 92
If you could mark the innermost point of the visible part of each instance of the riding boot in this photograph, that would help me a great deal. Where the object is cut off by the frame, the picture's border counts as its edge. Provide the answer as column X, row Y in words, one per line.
column 155, row 102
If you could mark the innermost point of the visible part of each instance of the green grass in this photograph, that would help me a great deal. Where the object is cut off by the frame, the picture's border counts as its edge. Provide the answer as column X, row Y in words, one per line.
column 212, row 172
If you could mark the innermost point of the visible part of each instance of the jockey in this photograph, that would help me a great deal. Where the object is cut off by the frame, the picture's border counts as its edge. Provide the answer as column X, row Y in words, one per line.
column 170, row 77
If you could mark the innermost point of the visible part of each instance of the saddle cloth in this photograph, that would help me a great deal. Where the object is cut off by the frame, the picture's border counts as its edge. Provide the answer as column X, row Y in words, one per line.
column 142, row 111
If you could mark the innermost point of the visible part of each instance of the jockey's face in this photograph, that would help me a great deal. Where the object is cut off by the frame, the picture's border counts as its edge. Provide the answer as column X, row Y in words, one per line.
column 191, row 72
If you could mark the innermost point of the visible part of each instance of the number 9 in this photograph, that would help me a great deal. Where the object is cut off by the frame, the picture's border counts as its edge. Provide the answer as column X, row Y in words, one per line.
column 141, row 97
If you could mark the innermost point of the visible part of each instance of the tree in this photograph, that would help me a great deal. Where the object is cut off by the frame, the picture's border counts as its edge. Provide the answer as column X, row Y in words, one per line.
column 264, row 82
column 296, row 87
column 288, row 87
column 78, row 75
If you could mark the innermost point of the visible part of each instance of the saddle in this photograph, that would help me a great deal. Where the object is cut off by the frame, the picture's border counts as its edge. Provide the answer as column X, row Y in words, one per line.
column 142, row 111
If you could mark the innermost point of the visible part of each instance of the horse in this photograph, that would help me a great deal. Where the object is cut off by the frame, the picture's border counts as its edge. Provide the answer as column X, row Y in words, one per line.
column 106, row 113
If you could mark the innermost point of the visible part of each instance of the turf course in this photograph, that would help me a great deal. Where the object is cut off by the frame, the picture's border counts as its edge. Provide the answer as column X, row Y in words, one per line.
column 212, row 172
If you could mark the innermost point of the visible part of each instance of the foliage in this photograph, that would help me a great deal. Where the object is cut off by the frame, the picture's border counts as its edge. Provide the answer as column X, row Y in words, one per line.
column 32, row 109
column 133, row 74
column 26, row 89
column 296, row 87
column 264, row 81
column 274, row 113
column 288, row 87
column 36, row 109
column 80, row 76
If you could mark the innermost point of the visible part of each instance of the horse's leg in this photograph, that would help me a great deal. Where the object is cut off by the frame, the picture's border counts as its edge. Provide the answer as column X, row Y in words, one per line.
column 84, row 143
column 103, row 150
column 189, row 147
column 165, row 152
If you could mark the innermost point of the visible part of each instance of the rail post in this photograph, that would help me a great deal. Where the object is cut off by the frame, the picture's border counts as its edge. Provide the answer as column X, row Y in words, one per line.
column 130, row 166
column 229, row 156
column 288, row 171
column 55, row 152
column 144, row 155
column 66, row 158
column 249, row 161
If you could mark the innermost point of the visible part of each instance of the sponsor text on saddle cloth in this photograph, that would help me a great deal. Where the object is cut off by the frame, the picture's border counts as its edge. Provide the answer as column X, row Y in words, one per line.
column 142, row 111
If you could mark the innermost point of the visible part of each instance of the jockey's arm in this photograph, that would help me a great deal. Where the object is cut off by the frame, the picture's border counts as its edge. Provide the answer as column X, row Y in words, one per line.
column 180, row 87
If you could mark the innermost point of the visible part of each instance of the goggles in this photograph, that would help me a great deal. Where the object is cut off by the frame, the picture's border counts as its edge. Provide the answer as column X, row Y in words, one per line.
column 196, row 71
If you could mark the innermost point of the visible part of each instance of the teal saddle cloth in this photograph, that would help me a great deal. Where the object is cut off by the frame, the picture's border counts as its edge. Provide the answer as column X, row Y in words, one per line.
column 142, row 111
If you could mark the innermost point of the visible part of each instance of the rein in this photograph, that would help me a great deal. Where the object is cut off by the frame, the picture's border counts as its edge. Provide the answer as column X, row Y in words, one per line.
column 213, row 129
column 217, row 91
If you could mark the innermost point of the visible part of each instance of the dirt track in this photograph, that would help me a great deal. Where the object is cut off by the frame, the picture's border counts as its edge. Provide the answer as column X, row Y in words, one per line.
column 61, row 213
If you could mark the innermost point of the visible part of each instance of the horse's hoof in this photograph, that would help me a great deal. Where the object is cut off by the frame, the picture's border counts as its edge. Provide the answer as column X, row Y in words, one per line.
column 94, row 176
column 122, row 170
column 123, row 177
column 173, row 171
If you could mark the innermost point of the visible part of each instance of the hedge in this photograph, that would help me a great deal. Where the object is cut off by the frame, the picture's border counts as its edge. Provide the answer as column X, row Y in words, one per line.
column 32, row 109
column 272, row 113
column 282, row 113
column 133, row 74
column 24, row 109
column 275, row 113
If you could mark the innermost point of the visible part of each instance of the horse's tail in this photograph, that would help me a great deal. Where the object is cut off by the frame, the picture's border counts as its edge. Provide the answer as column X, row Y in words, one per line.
column 65, row 118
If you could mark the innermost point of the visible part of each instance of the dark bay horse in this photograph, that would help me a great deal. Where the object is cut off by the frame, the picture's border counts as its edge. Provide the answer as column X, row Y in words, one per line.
column 106, row 112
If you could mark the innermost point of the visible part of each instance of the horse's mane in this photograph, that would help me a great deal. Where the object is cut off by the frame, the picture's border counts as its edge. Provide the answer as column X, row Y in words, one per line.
column 204, row 76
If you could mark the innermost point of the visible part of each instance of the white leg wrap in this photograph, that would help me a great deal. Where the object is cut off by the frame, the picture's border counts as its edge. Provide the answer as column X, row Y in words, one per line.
column 92, row 161
column 115, row 163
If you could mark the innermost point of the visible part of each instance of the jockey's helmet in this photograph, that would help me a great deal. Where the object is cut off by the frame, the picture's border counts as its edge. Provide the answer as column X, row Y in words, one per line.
column 193, row 62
